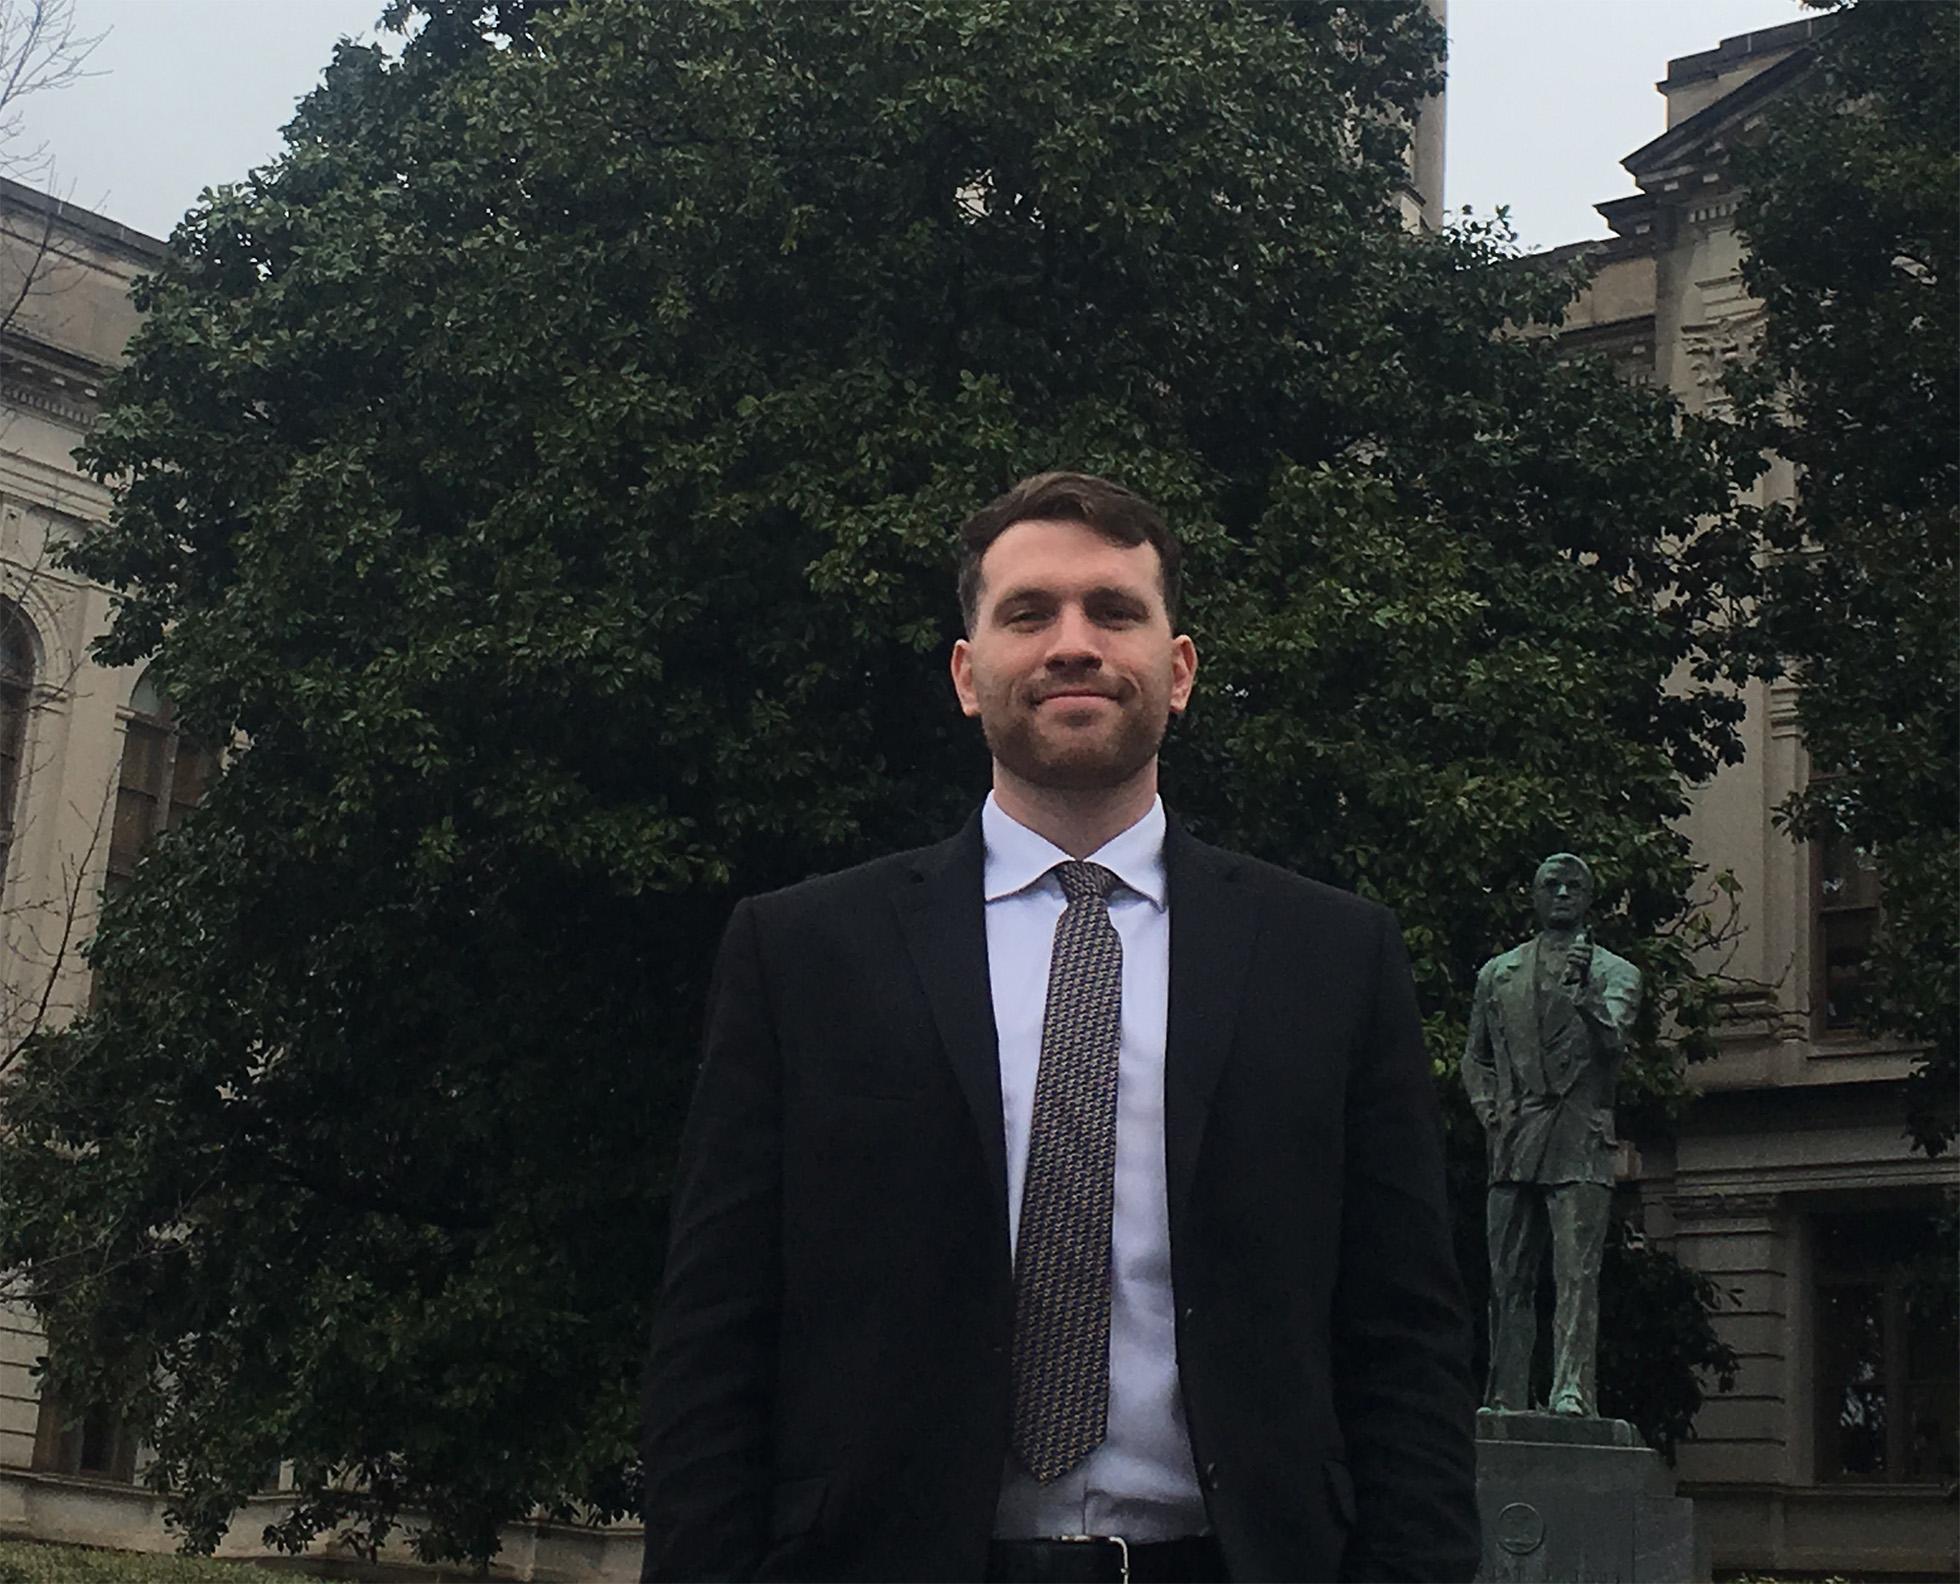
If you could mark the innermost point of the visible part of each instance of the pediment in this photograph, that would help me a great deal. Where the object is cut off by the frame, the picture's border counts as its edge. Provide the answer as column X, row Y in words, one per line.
column 1706, row 136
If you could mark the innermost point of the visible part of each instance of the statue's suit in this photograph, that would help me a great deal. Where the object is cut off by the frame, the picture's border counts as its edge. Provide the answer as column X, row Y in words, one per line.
column 1540, row 1075
column 1540, row 1066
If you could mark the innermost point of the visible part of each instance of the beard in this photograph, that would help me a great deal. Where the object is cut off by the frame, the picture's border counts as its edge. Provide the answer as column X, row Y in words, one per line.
column 1087, row 763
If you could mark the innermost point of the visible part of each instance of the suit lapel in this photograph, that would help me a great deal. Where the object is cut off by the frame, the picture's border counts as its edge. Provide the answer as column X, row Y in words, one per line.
column 1214, row 920
column 1518, row 994
column 942, row 914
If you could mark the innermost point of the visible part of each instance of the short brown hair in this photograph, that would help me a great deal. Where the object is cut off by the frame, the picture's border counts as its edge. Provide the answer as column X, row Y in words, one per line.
column 1118, row 514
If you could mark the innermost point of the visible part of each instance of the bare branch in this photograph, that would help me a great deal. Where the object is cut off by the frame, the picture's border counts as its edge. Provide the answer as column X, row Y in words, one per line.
column 41, row 51
column 73, row 901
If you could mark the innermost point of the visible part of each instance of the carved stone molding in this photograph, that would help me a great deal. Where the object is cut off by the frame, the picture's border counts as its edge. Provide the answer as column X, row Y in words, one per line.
column 1747, row 1205
column 1710, row 347
column 48, row 380
column 1713, row 212
column 1724, row 298
column 66, row 404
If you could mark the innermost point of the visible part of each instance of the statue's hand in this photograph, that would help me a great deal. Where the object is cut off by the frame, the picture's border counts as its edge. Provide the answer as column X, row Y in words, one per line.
column 1578, row 964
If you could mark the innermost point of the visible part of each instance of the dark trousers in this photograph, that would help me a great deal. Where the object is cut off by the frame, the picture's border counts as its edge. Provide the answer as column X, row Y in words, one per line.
column 1519, row 1218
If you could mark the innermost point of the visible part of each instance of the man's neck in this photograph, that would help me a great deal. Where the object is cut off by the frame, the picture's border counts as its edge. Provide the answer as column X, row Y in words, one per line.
column 1559, row 937
column 1078, row 821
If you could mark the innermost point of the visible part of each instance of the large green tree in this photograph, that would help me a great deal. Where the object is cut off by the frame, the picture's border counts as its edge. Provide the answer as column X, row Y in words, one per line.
column 545, row 470
column 1852, row 216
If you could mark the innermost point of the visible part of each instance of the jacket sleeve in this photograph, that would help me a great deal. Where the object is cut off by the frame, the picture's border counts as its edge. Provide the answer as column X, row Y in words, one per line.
column 710, row 1376
column 1611, row 1002
column 1401, row 1334
column 1479, row 1067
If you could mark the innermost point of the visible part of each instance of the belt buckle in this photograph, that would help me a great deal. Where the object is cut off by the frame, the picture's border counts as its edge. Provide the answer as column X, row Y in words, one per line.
column 1122, row 1550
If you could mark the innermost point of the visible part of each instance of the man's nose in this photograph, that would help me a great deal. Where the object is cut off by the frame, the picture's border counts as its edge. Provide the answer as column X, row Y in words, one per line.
column 1074, row 643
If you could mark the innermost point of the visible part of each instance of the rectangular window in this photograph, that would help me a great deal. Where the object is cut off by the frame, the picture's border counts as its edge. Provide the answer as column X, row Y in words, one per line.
column 1846, row 900
column 163, row 776
column 94, row 1442
column 1888, row 1355
column 192, row 767
column 1852, row 1331
column 13, row 733
column 139, row 794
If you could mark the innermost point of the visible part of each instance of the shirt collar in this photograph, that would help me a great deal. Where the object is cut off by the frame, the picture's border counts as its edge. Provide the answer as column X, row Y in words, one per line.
column 1018, row 858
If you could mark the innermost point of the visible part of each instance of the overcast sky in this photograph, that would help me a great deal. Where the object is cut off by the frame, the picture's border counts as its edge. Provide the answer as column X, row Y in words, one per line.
column 1545, row 98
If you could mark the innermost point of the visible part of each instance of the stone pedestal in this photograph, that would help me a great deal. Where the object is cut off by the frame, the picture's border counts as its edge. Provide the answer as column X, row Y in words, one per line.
column 1580, row 1501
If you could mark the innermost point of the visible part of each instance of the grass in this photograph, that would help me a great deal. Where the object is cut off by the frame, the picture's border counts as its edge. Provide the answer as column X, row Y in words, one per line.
column 31, row 1562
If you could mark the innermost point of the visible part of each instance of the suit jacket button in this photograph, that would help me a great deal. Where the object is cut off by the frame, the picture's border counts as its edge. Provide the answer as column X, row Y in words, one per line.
column 1190, row 1312
column 1211, row 1476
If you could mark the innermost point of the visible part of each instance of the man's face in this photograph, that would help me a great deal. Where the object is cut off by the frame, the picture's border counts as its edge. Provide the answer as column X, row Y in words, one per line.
column 1071, row 666
column 1561, row 895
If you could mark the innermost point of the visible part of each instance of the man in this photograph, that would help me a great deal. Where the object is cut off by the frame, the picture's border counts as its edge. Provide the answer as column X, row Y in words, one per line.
column 1068, row 1179
column 1548, row 1025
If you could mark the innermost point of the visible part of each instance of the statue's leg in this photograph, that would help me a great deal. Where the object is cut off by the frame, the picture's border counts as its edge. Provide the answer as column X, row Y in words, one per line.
column 1515, row 1228
column 1578, row 1214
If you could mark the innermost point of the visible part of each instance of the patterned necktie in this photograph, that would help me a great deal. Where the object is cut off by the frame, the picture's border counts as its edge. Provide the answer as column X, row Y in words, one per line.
column 1061, row 1261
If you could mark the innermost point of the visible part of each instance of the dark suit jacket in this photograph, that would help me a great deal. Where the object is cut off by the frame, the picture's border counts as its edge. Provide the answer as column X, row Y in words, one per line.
column 828, row 1391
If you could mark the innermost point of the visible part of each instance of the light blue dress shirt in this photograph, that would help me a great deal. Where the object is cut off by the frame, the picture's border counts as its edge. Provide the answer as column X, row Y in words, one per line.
column 1141, row 1482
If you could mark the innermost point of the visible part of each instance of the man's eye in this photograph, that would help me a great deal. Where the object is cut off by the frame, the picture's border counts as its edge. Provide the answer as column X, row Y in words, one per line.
column 1024, row 618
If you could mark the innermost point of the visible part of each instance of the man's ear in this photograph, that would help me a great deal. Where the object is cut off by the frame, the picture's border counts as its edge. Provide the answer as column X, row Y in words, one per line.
column 1184, row 671
column 962, row 668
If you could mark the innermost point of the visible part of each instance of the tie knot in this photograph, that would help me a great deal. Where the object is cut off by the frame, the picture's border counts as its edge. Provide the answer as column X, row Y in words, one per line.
column 1081, row 881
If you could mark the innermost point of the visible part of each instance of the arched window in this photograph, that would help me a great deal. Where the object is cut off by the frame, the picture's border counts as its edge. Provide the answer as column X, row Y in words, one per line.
column 16, row 699
column 164, row 773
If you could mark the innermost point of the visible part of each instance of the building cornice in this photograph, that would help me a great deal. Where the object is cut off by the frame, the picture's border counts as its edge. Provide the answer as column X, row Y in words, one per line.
column 1685, row 148
column 50, row 380
column 111, row 235
column 1731, row 52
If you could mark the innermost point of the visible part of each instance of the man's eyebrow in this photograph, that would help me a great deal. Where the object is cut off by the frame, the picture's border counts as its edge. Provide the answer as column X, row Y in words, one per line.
column 1028, row 592
column 1101, row 591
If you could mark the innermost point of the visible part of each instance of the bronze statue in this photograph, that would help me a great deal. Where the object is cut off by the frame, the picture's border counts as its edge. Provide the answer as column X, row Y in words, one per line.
column 1548, row 1026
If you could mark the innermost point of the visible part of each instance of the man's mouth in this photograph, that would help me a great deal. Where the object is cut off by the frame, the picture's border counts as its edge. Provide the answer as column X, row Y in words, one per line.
column 1055, row 694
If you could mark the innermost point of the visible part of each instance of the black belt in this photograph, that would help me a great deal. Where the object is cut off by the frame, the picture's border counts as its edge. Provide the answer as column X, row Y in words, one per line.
column 1104, row 1559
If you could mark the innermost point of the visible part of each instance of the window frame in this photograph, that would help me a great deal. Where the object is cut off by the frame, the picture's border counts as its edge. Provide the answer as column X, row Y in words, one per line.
column 166, row 809
column 1864, row 899
column 16, row 721
column 1891, row 1279
column 61, row 1438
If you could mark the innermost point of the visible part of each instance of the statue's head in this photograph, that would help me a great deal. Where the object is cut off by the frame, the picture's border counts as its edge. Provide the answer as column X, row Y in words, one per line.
column 1562, row 891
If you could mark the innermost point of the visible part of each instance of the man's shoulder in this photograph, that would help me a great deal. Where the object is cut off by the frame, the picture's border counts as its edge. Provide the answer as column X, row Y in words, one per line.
column 864, row 883
column 1288, row 886
column 857, row 886
column 1604, row 962
column 1503, row 962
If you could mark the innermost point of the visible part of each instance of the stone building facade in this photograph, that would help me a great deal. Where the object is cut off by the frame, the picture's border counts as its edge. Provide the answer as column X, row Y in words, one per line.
column 1791, row 1180
column 63, row 719
column 90, row 766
